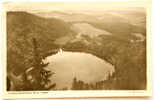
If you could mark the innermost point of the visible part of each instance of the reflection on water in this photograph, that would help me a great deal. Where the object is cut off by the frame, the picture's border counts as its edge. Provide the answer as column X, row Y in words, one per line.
column 83, row 66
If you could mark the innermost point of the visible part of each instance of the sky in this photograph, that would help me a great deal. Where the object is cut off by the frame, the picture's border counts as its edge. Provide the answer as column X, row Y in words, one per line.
column 69, row 6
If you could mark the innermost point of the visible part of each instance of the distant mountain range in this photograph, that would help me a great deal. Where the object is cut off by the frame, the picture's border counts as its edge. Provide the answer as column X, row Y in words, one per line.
column 120, row 23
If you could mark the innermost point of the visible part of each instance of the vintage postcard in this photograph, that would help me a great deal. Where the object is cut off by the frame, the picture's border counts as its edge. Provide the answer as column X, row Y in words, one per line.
column 76, row 49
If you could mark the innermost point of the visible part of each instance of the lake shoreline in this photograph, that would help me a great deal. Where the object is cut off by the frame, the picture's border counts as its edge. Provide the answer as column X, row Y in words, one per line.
column 68, row 65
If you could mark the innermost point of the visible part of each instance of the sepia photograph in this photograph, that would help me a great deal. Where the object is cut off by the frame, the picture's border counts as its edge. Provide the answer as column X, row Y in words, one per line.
column 75, row 47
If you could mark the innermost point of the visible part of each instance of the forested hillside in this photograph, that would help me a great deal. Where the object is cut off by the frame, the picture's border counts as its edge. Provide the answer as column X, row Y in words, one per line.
column 21, row 28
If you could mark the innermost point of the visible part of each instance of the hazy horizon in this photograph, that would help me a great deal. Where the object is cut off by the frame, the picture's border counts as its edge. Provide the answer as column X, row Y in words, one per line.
column 70, row 7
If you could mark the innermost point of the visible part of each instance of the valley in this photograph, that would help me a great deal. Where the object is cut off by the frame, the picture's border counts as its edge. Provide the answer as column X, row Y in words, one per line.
column 109, row 37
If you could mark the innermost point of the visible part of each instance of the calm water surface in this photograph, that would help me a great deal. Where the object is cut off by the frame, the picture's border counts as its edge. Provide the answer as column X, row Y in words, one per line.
column 83, row 66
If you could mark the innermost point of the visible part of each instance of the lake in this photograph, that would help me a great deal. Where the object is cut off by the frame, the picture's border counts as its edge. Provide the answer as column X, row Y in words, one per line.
column 84, row 66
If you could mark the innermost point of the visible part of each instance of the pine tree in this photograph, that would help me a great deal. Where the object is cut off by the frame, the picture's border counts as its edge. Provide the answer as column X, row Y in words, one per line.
column 74, row 84
column 38, row 77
